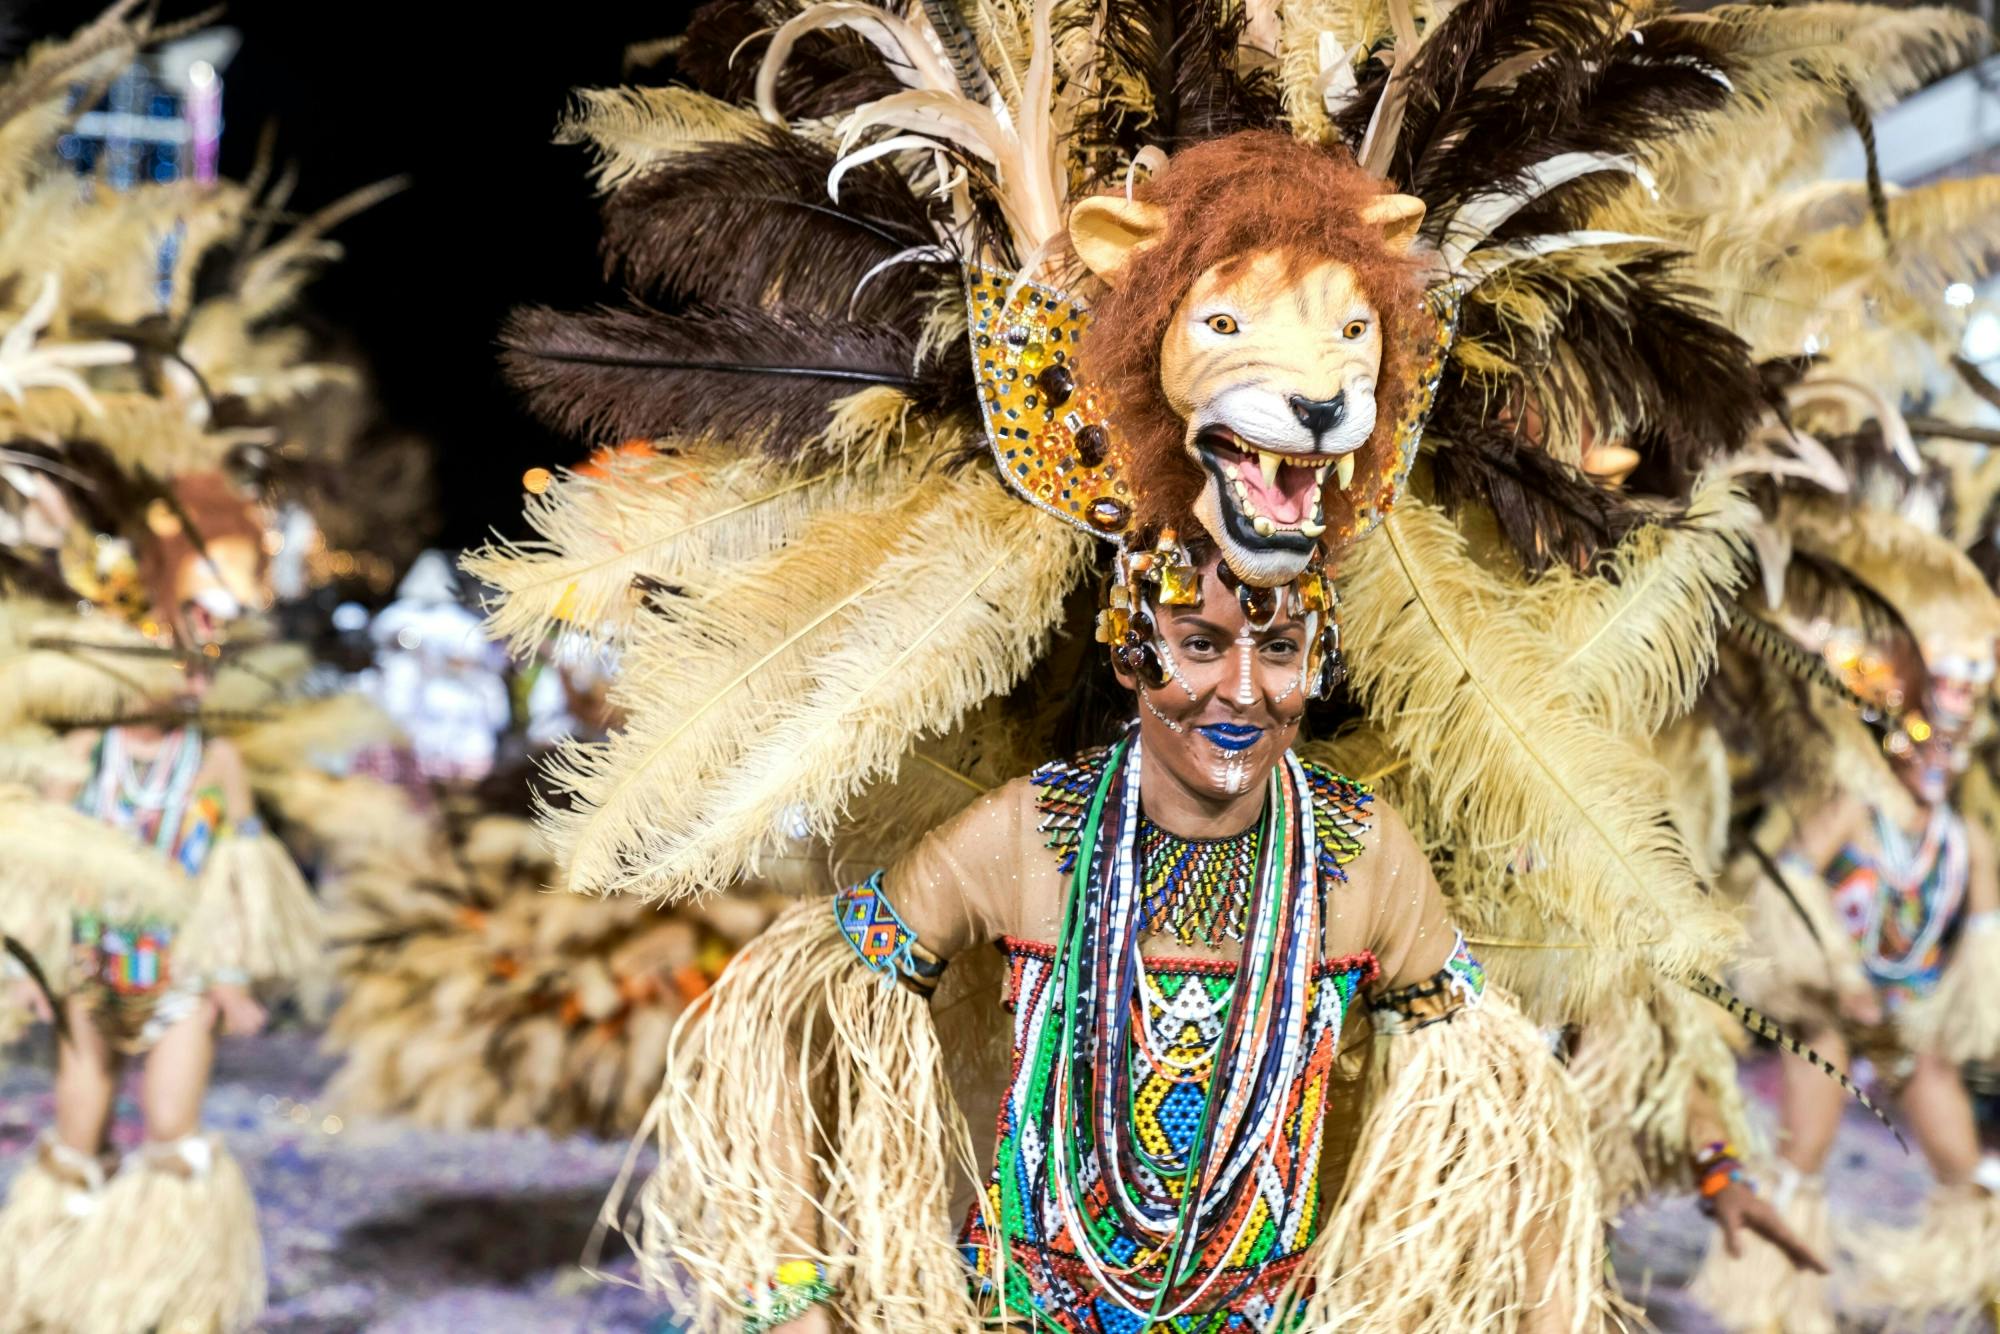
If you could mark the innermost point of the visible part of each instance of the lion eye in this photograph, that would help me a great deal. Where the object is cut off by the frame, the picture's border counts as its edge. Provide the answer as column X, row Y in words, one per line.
column 1354, row 329
column 1222, row 324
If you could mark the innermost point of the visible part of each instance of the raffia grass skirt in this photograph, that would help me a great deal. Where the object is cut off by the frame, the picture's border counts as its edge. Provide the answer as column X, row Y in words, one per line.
column 1949, row 1263
column 168, row 1246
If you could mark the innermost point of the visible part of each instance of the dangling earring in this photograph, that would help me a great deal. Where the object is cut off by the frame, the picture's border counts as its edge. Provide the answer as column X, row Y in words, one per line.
column 1332, row 667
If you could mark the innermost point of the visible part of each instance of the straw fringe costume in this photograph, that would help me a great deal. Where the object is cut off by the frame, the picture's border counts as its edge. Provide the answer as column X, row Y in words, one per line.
column 475, row 998
column 218, row 901
column 875, row 257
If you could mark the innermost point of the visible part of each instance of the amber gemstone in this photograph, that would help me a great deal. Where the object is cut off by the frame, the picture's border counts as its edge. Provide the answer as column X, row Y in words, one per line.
column 1091, row 443
column 1259, row 604
column 1108, row 515
column 1180, row 585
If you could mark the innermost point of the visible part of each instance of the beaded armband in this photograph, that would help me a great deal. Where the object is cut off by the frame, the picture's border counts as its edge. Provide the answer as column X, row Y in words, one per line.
column 796, row 1287
column 878, row 935
column 1715, row 1167
column 1460, row 984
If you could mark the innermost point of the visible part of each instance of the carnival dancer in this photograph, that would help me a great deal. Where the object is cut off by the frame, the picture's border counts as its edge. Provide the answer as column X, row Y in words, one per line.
column 1196, row 928
column 1884, row 942
column 1225, row 289
column 154, row 902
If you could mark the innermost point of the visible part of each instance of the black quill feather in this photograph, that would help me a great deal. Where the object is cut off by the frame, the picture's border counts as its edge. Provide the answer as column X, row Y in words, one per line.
column 751, row 223
column 1764, row 1026
column 1819, row 586
column 1548, row 511
column 713, row 373
column 1779, row 650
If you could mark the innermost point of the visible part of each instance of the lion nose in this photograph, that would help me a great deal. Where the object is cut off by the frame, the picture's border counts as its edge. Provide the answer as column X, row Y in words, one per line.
column 1319, row 415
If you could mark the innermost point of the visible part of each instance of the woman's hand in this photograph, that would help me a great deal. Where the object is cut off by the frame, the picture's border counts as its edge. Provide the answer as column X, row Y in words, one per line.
column 1738, row 1207
column 31, row 998
column 241, row 1015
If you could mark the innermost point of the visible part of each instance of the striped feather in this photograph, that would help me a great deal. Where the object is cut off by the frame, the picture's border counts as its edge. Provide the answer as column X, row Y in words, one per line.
column 1777, row 648
column 1764, row 1026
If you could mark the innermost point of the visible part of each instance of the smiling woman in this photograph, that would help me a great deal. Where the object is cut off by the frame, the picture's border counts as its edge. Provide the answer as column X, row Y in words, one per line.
column 1225, row 705
column 1160, row 1132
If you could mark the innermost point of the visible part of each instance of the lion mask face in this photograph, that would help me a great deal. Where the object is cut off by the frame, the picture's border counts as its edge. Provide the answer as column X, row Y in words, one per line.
column 1271, row 366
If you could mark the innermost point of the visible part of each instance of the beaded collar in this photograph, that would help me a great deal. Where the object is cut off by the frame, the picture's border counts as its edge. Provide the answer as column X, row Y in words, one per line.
column 1197, row 890
column 1341, row 811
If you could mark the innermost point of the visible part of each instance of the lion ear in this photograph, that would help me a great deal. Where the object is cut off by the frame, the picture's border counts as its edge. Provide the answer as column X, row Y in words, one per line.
column 1109, row 231
column 1398, row 216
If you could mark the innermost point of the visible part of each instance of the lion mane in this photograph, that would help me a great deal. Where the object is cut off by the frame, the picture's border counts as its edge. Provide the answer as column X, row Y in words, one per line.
column 1226, row 200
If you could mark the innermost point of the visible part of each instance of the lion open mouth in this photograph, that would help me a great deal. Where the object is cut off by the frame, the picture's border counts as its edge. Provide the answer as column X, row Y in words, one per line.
column 1275, row 495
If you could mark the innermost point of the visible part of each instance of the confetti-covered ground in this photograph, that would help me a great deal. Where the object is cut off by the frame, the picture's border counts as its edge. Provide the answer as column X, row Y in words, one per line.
column 381, row 1227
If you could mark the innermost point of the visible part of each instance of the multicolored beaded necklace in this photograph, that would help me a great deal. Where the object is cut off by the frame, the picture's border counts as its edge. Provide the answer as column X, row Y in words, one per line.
column 153, row 806
column 1197, row 889
column 1920, row 889
column 1079, row 1097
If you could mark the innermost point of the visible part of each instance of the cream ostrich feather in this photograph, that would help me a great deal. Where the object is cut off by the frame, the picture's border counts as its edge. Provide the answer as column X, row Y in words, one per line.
column 1504, row 767
column 1636, row 648
column 835, row 652
column 660, row 520
column 1792, row 68
column 57, row 666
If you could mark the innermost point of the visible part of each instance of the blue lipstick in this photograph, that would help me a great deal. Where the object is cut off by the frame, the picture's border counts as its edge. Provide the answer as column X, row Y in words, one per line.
column 1231, row 736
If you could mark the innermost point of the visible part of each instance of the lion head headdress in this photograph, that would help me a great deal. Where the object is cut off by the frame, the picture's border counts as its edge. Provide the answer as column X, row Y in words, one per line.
column 1256, row 350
